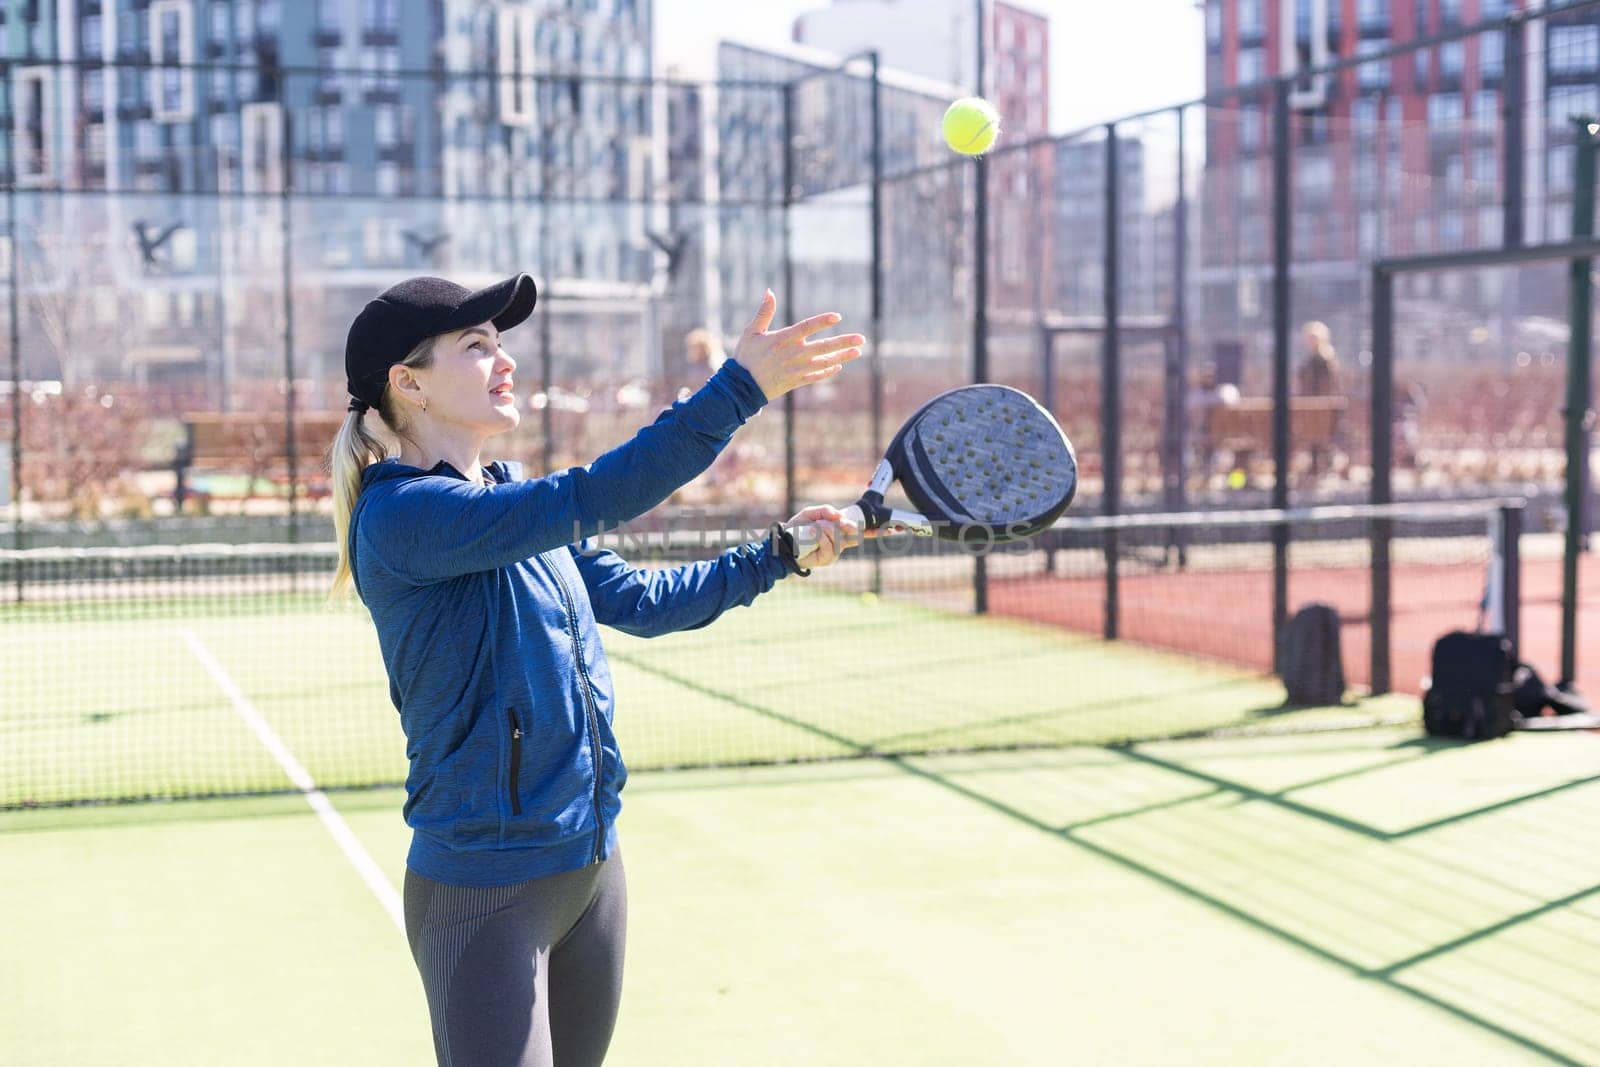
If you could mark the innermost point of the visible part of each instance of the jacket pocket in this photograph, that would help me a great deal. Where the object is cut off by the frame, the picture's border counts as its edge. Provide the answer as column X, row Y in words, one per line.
column 516, row 760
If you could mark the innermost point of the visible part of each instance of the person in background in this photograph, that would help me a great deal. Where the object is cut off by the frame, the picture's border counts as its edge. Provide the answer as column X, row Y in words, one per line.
column 705, row 355
column 1319, row 374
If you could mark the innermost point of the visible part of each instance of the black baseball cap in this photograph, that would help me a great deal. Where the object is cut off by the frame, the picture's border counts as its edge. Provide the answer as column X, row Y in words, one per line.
column 404, row 315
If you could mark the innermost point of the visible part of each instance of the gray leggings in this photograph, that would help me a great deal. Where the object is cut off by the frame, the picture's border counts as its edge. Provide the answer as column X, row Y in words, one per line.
column 525, row 975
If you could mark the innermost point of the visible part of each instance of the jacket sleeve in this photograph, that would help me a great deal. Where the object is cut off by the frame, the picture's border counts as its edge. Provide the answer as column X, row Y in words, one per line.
column 431, row 529
column 649, row 603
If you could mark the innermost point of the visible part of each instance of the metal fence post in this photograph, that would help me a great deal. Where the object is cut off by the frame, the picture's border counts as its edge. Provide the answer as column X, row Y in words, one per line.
column 875, row 345
column 980, row 291
column 1281, row 222
column 16, row 373
column 1514, row 105
column 1382, row 469
column 1111, row 383
column 290, row 452
column 788, row 294
column 1579, row 413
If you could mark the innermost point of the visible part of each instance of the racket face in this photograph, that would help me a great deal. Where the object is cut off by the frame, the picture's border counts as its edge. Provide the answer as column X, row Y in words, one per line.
column 985, row 462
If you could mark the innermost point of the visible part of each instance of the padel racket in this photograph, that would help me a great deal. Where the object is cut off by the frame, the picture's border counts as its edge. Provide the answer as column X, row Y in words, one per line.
column 982, row 464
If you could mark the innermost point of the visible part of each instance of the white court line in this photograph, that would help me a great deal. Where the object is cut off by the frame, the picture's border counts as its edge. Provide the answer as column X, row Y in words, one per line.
column 348, row 843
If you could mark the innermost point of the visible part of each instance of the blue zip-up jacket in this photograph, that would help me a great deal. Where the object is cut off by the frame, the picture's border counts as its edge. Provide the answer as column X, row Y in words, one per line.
column 486, row 602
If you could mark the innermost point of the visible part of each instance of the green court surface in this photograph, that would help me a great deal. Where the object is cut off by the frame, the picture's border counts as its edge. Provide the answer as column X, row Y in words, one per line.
column 1056, row 850
column 1361, row 896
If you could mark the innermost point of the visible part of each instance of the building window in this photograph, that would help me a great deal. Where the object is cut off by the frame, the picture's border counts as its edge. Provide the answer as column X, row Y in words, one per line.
column 1214, row 23
column 386, row 128
column 1249, row 129
column 129, row 35
column 1574, row 49
column 517, row 59
column 380, row 16
column 92, row 42
column 1252, row 66
column 219, row 23
column 267, row 17
column 383, row 69
column 1445, row 110
column 330, row 17
column 333, row 129
column 1374, row 73
column 261, row 148
column 1485, row 168
column 94, row 90
column 1364, row 115
column 1450, row 230
column 1492, row 54
column 328, row 70
column 1250, row 24
column 1421, row 64
column 1373, row 14
column 243, row 28
column 33, row 123
column 1485, row 109
column 1451, row 59
column 172, row 47
column 94, row 145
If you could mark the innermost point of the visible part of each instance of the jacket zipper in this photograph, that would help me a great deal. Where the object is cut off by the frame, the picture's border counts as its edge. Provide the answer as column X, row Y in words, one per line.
column 588, row 707
column 516, row 760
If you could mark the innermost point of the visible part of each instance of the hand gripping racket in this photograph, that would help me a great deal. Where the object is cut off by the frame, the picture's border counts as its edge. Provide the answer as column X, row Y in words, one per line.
column 982, row 464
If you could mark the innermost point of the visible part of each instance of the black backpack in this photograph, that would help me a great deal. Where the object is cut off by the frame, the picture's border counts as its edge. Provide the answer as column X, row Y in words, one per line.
column 1472, row 695
column 1308, row 658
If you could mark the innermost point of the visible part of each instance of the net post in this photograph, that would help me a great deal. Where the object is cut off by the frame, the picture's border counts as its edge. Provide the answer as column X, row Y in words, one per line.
column 1510, row 517
column 1047, row 350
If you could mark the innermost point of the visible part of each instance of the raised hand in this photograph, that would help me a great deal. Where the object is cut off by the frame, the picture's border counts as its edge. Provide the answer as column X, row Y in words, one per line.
column 786, row 359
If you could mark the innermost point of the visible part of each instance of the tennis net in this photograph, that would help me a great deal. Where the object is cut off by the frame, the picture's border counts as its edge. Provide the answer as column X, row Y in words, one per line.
column 208, row 670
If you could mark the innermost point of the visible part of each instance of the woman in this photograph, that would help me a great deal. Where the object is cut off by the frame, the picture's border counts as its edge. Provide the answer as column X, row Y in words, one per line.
column 486, row 602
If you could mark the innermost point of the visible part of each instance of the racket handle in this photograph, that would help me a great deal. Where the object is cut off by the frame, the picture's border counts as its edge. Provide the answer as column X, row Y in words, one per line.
column 806, row 537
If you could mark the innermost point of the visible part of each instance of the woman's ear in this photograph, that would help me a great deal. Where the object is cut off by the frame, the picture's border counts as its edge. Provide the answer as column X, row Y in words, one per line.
column 405, row 384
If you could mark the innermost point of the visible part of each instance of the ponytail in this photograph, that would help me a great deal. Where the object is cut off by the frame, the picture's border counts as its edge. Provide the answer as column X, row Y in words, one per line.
column 353, row 451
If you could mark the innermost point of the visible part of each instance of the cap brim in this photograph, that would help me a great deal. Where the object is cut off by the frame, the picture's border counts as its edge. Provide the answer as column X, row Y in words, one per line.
column 505, row 304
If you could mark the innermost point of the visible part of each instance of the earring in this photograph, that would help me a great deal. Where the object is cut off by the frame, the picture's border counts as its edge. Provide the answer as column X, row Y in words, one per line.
column 424, row 405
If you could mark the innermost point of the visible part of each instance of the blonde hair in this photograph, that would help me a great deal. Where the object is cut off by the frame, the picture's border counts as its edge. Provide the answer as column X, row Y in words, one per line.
column 353, row 451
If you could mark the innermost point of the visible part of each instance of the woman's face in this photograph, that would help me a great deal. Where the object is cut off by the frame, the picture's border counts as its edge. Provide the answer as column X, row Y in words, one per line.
column 469, row 383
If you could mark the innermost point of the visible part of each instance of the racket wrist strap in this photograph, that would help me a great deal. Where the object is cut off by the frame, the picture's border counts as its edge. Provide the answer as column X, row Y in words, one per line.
column 874, row 510
column 783, row 544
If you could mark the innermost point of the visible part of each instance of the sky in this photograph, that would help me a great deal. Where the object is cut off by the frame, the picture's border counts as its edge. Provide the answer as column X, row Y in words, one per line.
column 1108, row 58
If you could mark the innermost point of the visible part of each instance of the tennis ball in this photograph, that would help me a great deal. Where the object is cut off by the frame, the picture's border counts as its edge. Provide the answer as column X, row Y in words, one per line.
column 869, row 597
column 971, row 125
column 1236, row 479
